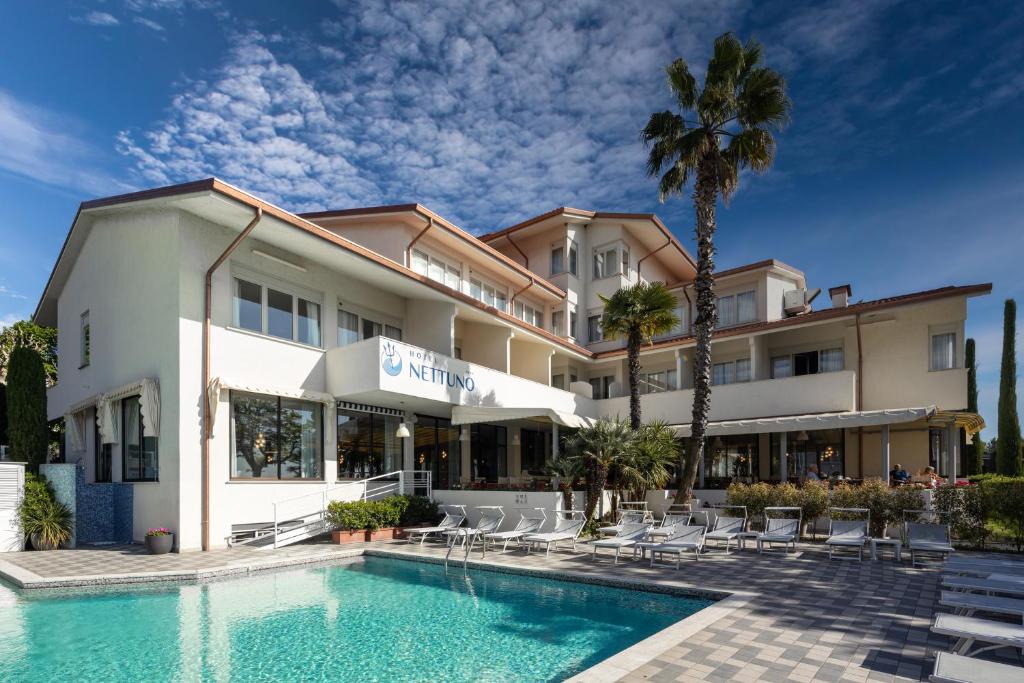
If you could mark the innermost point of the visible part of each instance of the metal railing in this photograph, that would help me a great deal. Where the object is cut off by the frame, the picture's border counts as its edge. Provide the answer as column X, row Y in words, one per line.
column 310, row 509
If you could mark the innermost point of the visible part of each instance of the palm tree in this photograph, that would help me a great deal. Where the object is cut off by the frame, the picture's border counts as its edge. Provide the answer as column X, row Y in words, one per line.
column 638, row 313
column 645, row 466
column 566, row 471
column 595, row 450
column 718, row 130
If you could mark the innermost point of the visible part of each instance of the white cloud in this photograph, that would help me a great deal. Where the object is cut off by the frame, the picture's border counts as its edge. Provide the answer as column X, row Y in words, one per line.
column 148, row 23
column 10, row 293
column 98, row 19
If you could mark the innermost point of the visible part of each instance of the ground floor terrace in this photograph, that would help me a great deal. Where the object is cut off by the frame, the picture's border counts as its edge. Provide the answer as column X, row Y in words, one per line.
column 796, row 617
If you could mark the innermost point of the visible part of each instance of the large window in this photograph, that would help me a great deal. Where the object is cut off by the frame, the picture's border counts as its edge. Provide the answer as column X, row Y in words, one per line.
column 737, row 309
column 730, row 458
column 533, row 450
column 731, row 372
column 821, row 450
column 488, row 453
column 367, row 445
column 350, row 330
column 274, row 437
column 808, row 363
column 277, row 313
column 437, row 449
column 943, row 355
column 104, row 460
column 139, row 453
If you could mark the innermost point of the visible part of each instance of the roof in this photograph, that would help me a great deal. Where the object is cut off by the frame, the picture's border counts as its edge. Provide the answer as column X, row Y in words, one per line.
column 758, row 265
column 825, row 314
column 583, row 213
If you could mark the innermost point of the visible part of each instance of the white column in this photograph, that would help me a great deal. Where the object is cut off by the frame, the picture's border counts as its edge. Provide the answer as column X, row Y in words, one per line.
column 885, row 452
column 554, row 441
column 783, row 465
column 952, row 450
column 679, row 369
column 754, row 360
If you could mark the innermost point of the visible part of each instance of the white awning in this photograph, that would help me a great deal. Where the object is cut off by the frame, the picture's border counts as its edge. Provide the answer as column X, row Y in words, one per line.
column 464, row 415
column 108, row 417
column 792, row 423
column 218, row 384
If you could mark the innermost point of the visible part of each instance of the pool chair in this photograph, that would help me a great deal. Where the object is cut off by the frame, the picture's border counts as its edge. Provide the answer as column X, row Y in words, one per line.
column 927, row 538
column 967, row 631
column 491, row 517
column 628, row 535
column 625, row 517
column 686, row 539
column 668, row 524
column 966, row 604
column 953, row 668
column 971, row 584
column 785, row 530
column 527, row 524
column 728, row 528
column 567, row 528
column 846, row 533
column 454, row 516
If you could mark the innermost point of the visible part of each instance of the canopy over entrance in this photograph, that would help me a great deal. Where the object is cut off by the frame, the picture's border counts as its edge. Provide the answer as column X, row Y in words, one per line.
column 793, row 423
column 972, row 423
column 464, row 415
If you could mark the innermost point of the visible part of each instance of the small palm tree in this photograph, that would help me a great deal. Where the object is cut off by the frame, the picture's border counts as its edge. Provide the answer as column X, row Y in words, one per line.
column 717, row 130
column 595, row 450
column 638, row 313
column 566, row 471
column 646, row 465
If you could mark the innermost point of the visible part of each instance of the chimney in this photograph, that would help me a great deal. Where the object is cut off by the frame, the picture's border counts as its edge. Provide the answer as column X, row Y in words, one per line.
column 840, row 296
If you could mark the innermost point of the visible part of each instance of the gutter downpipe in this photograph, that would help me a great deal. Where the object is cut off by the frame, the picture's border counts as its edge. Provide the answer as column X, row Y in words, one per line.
column 208, row 305
column 649, row 255
column 513, row 299
column 421, row 233
column 526, row 258
column 860, row 399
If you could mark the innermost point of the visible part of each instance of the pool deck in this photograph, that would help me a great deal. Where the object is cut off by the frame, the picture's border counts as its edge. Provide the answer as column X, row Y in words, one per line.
column 796, row 617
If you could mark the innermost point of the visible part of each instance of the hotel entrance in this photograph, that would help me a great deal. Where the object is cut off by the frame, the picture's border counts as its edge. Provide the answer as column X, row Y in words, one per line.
column 438, row 450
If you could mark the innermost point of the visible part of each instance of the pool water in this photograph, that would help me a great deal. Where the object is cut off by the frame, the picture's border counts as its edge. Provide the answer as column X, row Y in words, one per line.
column 374, row 620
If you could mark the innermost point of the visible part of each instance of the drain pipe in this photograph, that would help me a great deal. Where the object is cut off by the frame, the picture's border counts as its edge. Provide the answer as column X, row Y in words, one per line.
column 526, row 259
column 421, row 233
column 860, row 399
column 649, row 255
column 516, row 294
column 208, row 305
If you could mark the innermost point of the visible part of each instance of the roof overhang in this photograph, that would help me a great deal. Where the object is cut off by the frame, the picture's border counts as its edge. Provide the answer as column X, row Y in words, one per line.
column 792, row 423
column 464, row 415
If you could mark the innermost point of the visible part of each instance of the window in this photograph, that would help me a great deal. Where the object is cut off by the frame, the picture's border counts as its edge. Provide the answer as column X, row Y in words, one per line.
column 743, row 370
column 602, row 386
column 822, row 450
column 533, row 450
column 782, row 366
column 420, row 262
column 558, row 322
column 371, row 329
column 557, row 260
column 736, row 309
column 808, row 363
column 657, row 382
column 104, row 460
column 606, row 262
column 453, row 278
column 573, row 259
column 625, row 263
column 348, row 328
column 529, row 314
column 730, row 458
column 436, row 269
column 392, row 332
column 731, row 372
column 830, row 360
column 276, row 313
column 573, row 323
column 943, row 351
column 139, row 453
column 84, row 336
column 437, row 450
column 558, row 381
column 367, row 445
column 274, row 437
column 488, row 452
column 594, row 329
column 490, row 295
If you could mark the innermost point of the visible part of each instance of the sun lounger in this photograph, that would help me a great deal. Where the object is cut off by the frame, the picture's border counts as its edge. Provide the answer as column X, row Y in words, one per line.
column 783, row 530
column 968, row 630
column 927, row 538
column 668, row 524
column 566, row 529
column 491, row 517
column 687, row 539
column 847, row 534
column 527, row 524
column 972, row 560
column 970, row 569
column 952, row 668
column 966, row 604
column 626, row 517
column 454, row 516
column 629, row 534
column 972, row 584
column 727, row 529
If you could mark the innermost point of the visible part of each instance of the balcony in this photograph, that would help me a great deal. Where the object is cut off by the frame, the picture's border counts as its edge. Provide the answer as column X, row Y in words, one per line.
column 826, row 392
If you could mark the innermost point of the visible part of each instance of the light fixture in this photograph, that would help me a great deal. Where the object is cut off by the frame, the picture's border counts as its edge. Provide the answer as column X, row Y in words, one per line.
column 802, row 436
column 464, row 434
column 277, row 259
column 402, row 432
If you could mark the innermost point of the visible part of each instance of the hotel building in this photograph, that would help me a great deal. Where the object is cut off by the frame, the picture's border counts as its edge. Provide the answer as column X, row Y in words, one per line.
column 221, row 354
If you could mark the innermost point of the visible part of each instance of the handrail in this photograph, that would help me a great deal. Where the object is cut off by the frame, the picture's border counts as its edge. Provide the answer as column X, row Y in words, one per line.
column 357, row 482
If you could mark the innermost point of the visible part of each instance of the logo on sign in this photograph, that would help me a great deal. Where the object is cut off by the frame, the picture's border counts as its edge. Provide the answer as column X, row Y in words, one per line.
column 390, row 361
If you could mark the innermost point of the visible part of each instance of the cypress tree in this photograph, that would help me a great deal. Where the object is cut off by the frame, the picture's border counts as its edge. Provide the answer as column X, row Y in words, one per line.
column 26, row 407
column 975, row 452
column 1008, row 443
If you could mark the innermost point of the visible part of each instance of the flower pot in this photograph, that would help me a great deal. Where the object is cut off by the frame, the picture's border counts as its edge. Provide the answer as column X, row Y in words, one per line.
column 385, row 534
column 39, row 544
column 349, row 536
column 159, row 545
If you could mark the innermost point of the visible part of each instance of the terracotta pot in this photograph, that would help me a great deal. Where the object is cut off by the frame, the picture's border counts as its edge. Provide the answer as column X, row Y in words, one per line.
column 159, row 545
column 385, row 534
column 345, row 536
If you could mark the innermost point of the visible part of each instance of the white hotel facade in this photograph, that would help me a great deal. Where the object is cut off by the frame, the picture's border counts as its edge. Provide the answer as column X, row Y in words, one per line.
column 328, row 332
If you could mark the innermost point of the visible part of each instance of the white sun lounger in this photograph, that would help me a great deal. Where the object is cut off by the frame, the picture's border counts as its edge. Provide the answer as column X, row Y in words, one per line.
column 972, row 584
column 566, row 529
column 847, row 533
column 968, row 569
column 454, row 516
column 968, row 630
column 952, row 668
column 783, row 530
column 687, row 539
column 966, row 604
column 927, row 538
column 668, row 524
column 971, row 560
column 727, row 529
column 629, row 534
column 491, row 517
column 626, row 517
column 527, row 524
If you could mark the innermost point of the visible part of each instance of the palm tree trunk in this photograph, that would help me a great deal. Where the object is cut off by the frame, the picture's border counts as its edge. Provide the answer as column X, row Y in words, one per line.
column 596, row 478
column 704, row 199
column 633, row 354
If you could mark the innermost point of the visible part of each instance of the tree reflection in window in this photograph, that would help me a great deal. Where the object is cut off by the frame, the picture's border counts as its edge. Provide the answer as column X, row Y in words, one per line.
column 275, row 438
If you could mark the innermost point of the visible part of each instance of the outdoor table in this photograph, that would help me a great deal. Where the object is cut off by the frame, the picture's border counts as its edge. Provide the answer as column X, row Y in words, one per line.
column 897, row 548
column 744, row 536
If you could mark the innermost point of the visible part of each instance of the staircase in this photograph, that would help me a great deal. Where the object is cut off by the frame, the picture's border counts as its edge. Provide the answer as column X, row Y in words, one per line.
column 302, row 517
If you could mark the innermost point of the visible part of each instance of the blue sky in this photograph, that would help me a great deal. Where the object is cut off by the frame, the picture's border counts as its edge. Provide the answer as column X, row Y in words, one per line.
column 900, row 171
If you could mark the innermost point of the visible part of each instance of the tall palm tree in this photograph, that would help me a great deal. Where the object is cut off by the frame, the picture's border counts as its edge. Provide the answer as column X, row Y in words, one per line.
column 595, row 450
column 717, row 130
column 638, row 313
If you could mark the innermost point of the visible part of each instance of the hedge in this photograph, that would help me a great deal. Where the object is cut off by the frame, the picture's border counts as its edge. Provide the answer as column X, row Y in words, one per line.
column 376, row 514
column 990, row 500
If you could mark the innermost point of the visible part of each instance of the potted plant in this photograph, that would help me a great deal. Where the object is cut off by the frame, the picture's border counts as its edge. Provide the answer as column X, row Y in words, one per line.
column 361, row 520
column 419, row 511
column 47, row 522
column 159, row 541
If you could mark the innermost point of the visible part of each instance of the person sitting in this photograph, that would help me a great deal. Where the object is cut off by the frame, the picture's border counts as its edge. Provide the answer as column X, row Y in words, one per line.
column 928, row 476
column 812, row 473
column 898, row 476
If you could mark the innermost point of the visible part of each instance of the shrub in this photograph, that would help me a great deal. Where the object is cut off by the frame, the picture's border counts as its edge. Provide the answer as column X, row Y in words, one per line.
column 418, row 509
column 366, row 514
column 756, row 497
column 41, row 514
column 26, row 407
column 966, row 509
column 813, row 500
column 1005, row 498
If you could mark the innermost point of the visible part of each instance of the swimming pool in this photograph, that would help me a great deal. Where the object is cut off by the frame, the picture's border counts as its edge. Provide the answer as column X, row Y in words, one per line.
column 373, row 620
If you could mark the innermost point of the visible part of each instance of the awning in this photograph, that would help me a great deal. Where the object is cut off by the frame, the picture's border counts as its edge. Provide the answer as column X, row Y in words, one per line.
column 218, row 384
column 972, row 423
column 793, row 423
column 464, row 415
column 108, row 417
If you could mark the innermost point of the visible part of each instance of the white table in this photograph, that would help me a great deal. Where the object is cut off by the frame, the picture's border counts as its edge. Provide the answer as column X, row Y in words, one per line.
column 897, row 548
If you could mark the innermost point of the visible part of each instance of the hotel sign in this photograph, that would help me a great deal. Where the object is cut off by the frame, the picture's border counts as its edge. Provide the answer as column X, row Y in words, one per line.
column 422, row 366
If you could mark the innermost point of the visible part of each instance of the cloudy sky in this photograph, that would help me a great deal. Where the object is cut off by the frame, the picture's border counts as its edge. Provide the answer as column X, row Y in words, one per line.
column 901, row 169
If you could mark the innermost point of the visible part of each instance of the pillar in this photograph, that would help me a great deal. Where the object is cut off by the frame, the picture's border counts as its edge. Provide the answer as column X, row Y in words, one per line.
column 952, row 451
column 783, row 465
column 885, row 452
column 679, row 370
column 554, row 441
